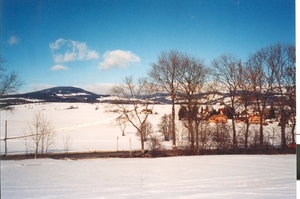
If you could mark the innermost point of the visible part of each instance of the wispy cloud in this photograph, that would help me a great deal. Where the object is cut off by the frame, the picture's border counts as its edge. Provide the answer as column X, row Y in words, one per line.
column 59, row 67
column 68, row 50
column 13, row 40
column 57, row 44
column 118, row 58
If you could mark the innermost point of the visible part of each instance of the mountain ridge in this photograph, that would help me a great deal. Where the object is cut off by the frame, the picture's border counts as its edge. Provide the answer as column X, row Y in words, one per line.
column 55, row 94
column 76, row 94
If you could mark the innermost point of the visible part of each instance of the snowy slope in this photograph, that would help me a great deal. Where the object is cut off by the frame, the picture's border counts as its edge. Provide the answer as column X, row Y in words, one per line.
column 238, row 176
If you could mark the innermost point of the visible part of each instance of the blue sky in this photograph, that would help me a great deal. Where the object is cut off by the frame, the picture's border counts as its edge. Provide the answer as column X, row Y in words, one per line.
column 93, row 44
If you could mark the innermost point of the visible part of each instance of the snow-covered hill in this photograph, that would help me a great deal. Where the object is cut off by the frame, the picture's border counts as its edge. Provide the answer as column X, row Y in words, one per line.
column 55, row 94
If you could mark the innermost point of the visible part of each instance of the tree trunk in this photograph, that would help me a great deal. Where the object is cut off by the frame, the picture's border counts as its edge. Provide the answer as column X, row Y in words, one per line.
column 142, row 142
column 247, row 134
column 283, row 124
column 261, row 130
column 173, row 120
column 36, row 141
column 283, row 139
column 191, row 130
column 293, row 132
column 293, row 128
column 197, row 135
column 234, row 133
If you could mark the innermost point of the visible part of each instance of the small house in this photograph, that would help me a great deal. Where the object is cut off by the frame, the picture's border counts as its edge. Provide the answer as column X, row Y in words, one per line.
column 243, row 117
column 255, row 119
column 218, row 119
column 146, row 111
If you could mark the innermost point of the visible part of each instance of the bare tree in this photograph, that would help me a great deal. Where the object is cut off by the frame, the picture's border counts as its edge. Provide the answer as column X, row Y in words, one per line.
column 26, row 141
column 290, row 74
column 204, row 135
column 121, row 122
column 192, row 79
column 165, row 126
column 254, row 138
column 154, row 145
column 259, row 79
column 9, row 83
column 147, row 129
column 67, row 142
column 132, row 98
column 227, row 73
column 221, row 136
column 182, row 135
column 281, row 61
column 165, row 73
column 41, row 133
column 245, row 99
column 272, row 76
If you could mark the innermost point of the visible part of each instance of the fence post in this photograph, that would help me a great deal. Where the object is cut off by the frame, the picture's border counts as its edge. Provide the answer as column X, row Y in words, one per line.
column 130, row 146
column 117, row 143
column 5, row 138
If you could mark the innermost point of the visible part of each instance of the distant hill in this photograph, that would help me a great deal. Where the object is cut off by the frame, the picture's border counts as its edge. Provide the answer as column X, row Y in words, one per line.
column 75, row 94
column 55, row 94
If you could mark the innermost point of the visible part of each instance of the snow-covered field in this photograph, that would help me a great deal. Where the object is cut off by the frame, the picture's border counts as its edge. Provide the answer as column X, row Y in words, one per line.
column 221, row 176
column 89, row 127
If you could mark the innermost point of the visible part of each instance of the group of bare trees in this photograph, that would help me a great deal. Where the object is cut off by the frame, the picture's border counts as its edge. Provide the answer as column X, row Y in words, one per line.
column 39, row 134
column 267, row 78
column 182, row 76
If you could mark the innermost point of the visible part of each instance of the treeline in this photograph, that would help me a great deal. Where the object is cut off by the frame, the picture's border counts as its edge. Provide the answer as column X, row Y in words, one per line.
column 266, row 79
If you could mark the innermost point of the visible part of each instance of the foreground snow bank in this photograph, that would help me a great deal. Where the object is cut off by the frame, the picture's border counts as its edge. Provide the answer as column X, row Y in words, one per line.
column 238, row 176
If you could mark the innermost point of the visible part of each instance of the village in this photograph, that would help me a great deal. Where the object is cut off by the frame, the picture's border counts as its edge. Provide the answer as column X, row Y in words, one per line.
column 222, row 114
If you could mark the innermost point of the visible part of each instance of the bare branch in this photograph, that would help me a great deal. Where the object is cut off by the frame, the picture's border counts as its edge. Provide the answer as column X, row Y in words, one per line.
column 132, row 98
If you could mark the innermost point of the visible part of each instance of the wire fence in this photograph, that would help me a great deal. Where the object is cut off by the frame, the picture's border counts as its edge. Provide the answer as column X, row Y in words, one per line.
column 23, row 125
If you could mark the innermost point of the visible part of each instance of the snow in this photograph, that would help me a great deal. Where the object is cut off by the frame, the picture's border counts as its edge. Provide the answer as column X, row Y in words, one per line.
column 223, row 176
column 71, row 94
column 91, row 128
column 21, row 98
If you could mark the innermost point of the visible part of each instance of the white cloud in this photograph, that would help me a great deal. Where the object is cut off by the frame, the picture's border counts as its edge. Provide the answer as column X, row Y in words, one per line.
column 59, row 67
column 118, row 58
column 72, row 51
column 58, row 58
column 92, row 55
column 13, row 40
column 69, row 57
column 57, row 44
